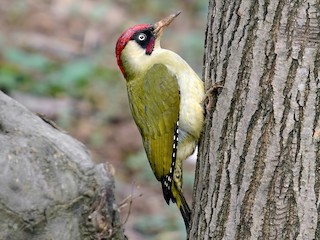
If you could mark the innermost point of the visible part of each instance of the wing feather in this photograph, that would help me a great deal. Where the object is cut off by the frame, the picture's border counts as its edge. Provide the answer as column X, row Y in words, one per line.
column 154, row 102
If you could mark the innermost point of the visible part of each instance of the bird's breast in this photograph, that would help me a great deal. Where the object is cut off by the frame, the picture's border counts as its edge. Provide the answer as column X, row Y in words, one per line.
column 191, row 110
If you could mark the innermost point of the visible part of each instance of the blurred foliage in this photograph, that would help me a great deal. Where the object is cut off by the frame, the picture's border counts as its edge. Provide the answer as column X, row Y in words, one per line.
column 138, row 162
column 64, row 49
column 37, row 74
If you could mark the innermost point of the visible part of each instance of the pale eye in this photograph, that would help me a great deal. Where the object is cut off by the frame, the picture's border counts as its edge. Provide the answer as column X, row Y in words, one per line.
column 142, row 37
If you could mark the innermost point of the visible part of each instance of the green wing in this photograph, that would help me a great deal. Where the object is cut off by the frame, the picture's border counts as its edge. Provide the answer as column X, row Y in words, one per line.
column 154, row 102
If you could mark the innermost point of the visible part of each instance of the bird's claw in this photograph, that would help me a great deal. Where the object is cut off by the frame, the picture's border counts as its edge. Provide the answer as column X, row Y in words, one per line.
column 208, row 97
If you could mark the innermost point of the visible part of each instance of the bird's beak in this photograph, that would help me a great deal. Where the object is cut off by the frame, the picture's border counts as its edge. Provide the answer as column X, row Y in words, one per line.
column 159, row 26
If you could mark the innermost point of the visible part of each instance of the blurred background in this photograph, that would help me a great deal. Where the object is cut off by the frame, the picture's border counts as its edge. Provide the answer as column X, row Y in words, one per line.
column 57, row 58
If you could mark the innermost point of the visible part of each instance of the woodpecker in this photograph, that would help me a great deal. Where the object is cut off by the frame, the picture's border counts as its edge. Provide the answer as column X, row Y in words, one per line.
column 165, row 98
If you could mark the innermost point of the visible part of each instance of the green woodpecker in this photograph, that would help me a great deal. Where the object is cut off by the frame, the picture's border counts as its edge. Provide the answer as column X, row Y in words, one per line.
column 165, row 97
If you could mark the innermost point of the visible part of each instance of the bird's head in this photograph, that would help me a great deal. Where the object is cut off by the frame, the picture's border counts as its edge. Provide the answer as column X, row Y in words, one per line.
column 138, row 43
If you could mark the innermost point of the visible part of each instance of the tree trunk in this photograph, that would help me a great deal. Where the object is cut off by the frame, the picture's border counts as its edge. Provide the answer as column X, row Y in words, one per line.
column 49, row 187
column 258, row 174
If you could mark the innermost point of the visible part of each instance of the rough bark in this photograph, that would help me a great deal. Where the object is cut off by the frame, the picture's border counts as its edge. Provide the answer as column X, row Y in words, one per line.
column 49, row 187
column 258, row 174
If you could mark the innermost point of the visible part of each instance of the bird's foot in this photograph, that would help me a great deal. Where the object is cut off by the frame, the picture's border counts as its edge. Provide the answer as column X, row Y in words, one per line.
column 208, row 99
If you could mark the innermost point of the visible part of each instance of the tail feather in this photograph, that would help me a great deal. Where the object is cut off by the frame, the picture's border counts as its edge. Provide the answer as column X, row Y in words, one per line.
column 184, row 208
column 182, row 204
column 172, row 192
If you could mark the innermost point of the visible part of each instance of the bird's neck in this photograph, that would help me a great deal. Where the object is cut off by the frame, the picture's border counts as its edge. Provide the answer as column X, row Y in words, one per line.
column 134, row 60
